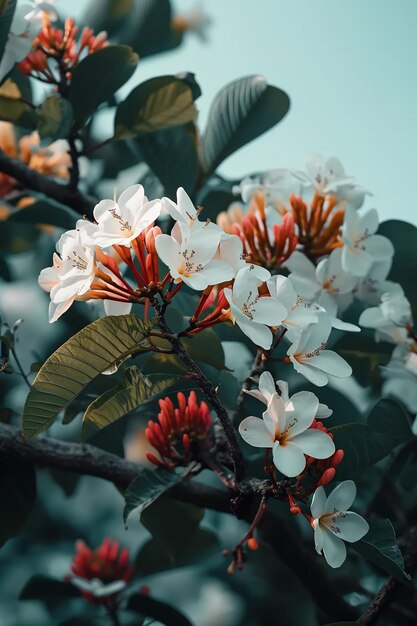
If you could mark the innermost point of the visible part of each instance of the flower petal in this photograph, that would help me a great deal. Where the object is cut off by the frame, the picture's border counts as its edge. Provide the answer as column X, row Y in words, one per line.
column 318, row 503
column 342, row 497
column 351, row 527
column 255, row 432
column 288, row 459
column 334, row 549
column 302, row 405
column 315, row 443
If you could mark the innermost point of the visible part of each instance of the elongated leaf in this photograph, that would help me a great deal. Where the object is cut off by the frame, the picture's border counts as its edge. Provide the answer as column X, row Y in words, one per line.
column 17, row 496
column 50, row 591
column 146, row 488
column 98, row 77
column 46, row 212
column 157, row 610
column 156, row 104
column 207, row 348
column 112, row 405
column 55, row 118
column 96, row 348
column 7, row 8
column 18, row 112
column 388, row 425
column 380, row 546
column 241, row 111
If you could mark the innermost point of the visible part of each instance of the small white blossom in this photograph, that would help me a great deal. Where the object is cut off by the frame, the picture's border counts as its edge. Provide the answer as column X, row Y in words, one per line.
column 310, row 357
column 96, row 587
column 299, row 313
column 254, row 314
column 118, row 223
column 284, row 427
column 391, row 318
column 361, row 246
column 333, row 523
column 401, row 377
column 325, row 175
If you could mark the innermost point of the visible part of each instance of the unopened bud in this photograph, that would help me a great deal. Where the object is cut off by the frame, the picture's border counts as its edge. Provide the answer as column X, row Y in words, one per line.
column 295, row 510
column 337, row 458
column 253, row 544
column 326, row 477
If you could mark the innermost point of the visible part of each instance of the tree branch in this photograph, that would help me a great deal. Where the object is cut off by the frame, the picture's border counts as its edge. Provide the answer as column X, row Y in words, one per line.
column 31, row 179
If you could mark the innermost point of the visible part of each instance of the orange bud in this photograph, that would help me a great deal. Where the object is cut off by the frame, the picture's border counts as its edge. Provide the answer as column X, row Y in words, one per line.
column 253, row 544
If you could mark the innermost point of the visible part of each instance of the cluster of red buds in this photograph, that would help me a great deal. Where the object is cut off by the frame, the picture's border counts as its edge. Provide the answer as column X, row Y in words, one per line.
column 268, row 246
column 60, row 45
column 102, row 573
column 180, row 432
column 318, row 224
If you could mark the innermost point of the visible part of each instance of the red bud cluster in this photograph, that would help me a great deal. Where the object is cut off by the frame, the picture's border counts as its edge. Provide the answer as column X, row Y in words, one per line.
column 179, row 432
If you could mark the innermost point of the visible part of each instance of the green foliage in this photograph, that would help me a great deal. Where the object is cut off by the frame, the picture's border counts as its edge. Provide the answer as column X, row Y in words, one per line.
column 50, row 591
column 17, row 496
column 7, row 8
column 207, row 348
column 133, row 392
column 45, row 211
column 155, row 609
column 98, row 77
column 177, row 540
column 241, row 111
column 380, row 547
column 145, row 488
column 364, row 355
column 98, row 347
column 55, row 118
column 403, row 235
column 156, row 104
column 387, row 426
column 17, row 111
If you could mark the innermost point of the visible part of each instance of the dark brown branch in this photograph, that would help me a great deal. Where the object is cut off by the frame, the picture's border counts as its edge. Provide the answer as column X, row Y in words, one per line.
column 258, row 366
column 31, row 179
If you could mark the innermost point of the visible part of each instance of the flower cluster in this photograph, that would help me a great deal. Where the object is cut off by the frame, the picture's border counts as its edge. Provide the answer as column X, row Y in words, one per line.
column 180, row 433
column 101, row 574
column 61, row 47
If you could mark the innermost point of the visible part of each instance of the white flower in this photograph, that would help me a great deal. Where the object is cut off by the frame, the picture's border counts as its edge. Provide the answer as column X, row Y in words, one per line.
column 185, row 214
column 254, row 314
column 299, row 313
column 310, row 357
column 276, row 184
column 231, row 251
column 96, row 587
column 192, row 259
column 285, row 429
column 267, row 387
column 333, row 523
column 371, row 287
column 401, row 377
column 361, row 246
column 118, row 223
column 390, row 318
column 326, row 176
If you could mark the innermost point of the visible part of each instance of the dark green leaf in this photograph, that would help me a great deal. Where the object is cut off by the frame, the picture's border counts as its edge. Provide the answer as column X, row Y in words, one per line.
column 380, row 546
column 50, row 591
column 149, row 29
column 156, row 104
column 46, row 212
column 146, row 488
column 157, row 610
column 387, row 426
column 172, row 155
column 98, row 77
column 17, row 496
column 95, row 349
column 207, row 348
column 18, row 112
column 364, row 354
column 119, row 401
column 241, row 111
column 404, row 238
column 7, row 8
column 55, row 118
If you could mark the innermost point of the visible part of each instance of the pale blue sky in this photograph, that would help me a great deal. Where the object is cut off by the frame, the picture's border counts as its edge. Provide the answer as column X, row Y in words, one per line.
column 350, row 68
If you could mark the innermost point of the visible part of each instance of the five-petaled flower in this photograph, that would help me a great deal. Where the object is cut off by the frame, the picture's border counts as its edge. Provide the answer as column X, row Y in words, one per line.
column 333, row 523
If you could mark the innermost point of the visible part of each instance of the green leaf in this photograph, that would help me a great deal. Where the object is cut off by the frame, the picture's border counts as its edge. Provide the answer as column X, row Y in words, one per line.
column 156, row 104
column 7, row 8
column 50, row 591
column 403, row 235
column 172, row 155
column 241, row 111
column 98, row 77
column 146, row 488
column 17, row 496
column 46, row 212
column 95, row 349
column 364, row 354
column 387, row 426
column 121, row 400
column 177, row 540
column 380, row 547
column 55, row 118
column 207, row 348
column 157, row 610
column 151, row 31
column 18, row 112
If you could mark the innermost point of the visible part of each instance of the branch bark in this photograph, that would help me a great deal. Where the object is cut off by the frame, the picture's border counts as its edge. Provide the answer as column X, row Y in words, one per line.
column 31, row 179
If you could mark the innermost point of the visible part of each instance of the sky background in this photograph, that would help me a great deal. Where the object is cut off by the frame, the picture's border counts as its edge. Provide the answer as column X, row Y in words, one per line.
column 349, row 66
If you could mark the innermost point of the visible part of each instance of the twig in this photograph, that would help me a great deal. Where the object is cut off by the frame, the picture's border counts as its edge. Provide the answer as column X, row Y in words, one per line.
column 257, row 368
column 19, row 365
column 75, row 170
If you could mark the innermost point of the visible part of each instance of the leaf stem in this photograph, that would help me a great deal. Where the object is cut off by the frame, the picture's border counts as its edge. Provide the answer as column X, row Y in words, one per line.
column 21, row 370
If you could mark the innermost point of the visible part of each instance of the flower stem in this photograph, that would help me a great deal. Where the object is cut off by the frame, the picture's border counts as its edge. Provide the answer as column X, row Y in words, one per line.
column 21, row 370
